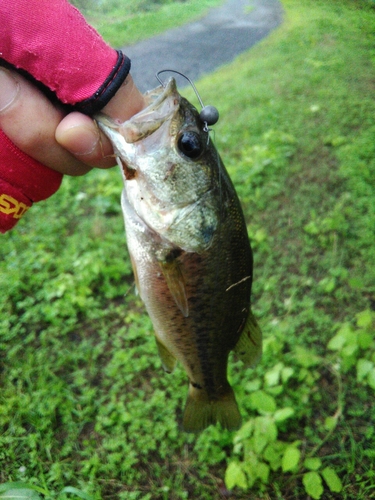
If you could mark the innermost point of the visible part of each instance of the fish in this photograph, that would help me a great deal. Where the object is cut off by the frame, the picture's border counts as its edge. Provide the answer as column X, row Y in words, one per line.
column 189, row 248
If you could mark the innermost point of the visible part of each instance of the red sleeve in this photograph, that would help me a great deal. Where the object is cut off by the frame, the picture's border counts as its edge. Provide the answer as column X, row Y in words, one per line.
column 51, row 41
column 23, row 180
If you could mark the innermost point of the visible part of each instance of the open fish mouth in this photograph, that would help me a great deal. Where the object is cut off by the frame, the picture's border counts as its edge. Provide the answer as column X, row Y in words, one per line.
column 157, row 95
column 162, row 103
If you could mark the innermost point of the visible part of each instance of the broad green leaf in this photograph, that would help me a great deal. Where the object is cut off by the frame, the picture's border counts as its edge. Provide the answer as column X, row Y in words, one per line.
column 21, row 485
column 365, row 339
column 313, row 484
column 306, row 358
column 235, row 476
column 272, row 377
column 250, row 467
column 275, row 390
column 330, row 423
column 260, row 235
column 332, row 479
column 283, row 414
column 327, row 285
column 343, row 336
column 273, row 454
column 265, row 431
column 348, row 360
column 245, row 432
column 286, row 373
column 266, row 427
column 258, row 443
column 364, row 366
column 253, row 385
column 250, row 460
column 262, row 402
column 311, row 228
column 290, row 459
column 364, row 318
column 371, row 379
column 312, row 463
column 336, row 343
column 348, row 350
column 77, row 492
column 262, row 471
column 20, row 494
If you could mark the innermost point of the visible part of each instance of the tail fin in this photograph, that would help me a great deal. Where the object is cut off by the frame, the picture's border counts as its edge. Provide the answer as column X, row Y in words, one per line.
column 200, row 411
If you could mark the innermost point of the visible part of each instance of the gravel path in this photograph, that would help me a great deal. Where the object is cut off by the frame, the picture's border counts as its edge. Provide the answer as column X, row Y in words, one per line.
column 202, row 46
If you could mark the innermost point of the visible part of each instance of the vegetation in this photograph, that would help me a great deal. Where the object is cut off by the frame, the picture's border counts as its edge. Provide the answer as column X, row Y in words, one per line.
column 122, row 22
column 85, row 408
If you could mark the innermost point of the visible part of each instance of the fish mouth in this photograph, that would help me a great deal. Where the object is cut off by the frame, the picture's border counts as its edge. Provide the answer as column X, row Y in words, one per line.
column 157, row 95
column 162, row 103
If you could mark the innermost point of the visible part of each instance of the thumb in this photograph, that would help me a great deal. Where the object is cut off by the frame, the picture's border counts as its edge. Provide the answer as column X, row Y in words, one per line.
column 80, row 135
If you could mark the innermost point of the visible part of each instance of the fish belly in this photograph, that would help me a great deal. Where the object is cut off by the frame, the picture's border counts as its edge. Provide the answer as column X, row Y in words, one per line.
column 202, row 339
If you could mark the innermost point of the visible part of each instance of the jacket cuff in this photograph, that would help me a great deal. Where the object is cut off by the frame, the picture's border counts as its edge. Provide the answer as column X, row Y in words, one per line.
column 51, row 43
column 23, row 181
column 108, row 89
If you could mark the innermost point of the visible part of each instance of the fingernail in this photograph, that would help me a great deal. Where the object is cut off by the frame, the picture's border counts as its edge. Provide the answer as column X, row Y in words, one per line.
column 79, row 140
column 9, row 88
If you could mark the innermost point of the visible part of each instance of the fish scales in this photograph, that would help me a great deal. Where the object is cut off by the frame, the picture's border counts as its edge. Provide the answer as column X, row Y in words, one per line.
column 189, row 249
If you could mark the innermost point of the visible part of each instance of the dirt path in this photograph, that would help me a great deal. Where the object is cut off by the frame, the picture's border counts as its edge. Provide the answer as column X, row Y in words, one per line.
column 202, row 46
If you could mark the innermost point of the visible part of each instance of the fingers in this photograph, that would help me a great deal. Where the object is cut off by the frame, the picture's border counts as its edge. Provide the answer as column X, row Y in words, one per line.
column 29, row 119
column 71, row 144
column 80, row 135
column 127, row 101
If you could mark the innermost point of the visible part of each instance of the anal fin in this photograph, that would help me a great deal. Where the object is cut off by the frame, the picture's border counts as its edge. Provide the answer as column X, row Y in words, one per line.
column 167, row 359
column 249, row 345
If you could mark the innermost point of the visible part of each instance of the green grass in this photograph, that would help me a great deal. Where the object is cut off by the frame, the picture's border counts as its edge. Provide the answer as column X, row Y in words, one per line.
column 84, row 402
column 123, row 22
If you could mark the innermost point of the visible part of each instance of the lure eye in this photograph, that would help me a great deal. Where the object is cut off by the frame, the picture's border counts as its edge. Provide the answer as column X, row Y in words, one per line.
column 190, row 145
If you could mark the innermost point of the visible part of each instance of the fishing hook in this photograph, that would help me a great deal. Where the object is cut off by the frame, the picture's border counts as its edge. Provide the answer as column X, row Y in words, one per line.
column 209, row 114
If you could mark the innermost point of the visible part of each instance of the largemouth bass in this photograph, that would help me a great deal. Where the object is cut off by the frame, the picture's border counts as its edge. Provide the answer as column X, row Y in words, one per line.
column 189, row 249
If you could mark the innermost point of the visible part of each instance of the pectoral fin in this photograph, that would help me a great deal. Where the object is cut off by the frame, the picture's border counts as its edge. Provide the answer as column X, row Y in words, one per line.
column 176, row 284
column 249, row 345
column 167, row 359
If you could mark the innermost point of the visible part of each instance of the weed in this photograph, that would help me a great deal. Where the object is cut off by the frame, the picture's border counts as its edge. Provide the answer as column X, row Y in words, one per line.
column 123, row 22
column 85, row 409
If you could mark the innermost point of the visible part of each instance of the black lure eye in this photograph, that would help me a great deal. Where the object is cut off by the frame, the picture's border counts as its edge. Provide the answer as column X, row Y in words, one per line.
column 190, row 145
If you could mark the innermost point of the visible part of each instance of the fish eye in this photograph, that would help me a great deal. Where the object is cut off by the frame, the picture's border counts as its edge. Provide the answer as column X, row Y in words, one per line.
column 190, row 145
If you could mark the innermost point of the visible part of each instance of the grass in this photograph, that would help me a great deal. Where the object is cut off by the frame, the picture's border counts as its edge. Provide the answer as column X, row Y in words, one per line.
column 123, row 22
column 84, row 403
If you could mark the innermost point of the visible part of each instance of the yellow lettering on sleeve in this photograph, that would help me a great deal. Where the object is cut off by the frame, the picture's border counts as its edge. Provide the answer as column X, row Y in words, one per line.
column 9, row 205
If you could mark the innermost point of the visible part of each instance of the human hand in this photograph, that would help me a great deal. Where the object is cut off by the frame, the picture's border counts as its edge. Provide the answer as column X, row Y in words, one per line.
column 71, row 143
